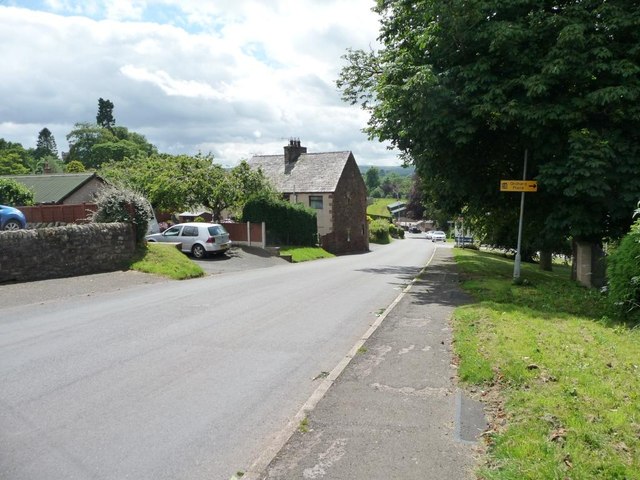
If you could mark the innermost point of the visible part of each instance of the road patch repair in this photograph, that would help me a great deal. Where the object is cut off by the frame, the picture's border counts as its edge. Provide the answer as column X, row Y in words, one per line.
column 392, row 407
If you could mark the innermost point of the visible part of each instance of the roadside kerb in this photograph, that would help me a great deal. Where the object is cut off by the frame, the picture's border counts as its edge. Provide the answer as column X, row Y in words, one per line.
column 269, row 453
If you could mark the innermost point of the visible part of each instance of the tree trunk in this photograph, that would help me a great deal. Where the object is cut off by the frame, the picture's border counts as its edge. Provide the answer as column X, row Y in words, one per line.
column 545, row 260
column 589, row 265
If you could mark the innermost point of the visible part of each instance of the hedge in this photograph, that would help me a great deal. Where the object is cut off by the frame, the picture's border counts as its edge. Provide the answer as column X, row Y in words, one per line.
column 287, row 223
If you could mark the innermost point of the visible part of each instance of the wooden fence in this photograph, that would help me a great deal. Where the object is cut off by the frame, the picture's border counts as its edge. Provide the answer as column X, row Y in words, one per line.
column 250, row 234
column 73, row 213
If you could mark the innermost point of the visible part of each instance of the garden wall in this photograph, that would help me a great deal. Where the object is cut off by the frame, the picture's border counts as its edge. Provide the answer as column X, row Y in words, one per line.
column 56, row 252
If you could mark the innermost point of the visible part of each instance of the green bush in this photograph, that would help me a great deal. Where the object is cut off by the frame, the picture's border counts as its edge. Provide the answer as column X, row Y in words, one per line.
column 122, row 205
column 623, row 274
column 287, row 223
column 379, row 232
column 396, row 231
column 14, row 193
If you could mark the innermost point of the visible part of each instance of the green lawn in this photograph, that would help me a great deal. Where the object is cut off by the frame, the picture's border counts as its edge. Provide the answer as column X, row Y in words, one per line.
column 379, row 207
column 561, row 381
column 165, row 260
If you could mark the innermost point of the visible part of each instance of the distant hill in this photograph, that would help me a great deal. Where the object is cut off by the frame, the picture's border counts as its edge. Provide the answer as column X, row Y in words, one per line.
column 385, row 170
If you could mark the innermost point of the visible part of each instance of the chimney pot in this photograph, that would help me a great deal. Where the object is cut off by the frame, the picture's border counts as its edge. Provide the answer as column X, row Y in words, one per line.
column 293, row 151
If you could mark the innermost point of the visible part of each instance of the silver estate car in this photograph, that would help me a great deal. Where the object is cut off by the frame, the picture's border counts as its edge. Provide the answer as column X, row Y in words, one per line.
column 199, row 239
column 438, row 236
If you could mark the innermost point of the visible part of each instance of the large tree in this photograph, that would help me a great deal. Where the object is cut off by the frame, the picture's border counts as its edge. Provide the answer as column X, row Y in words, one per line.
column 372, row 179
column 93, row 145
column 463, row 89
column 46, row 144
column 104, row 118
column 14, row 158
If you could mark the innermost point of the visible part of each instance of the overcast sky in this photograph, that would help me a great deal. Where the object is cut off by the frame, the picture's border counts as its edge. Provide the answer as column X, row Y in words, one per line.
column 230, row 77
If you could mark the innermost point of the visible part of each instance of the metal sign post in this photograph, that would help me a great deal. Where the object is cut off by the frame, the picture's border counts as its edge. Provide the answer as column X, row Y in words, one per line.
column 522, row 186
column 516, row 265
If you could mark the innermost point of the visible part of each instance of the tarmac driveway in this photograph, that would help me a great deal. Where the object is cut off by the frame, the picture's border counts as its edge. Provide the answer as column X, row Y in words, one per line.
column 25, row 293
column 238, row 258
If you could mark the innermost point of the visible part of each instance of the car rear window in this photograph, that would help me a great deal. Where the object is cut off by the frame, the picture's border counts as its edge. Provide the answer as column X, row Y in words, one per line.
column 217, row 230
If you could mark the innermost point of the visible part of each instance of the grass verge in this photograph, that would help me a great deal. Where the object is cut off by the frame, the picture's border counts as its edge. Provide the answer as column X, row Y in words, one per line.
column 165, row 260
column 379, row 207
column 304, row 254
column 560, row 381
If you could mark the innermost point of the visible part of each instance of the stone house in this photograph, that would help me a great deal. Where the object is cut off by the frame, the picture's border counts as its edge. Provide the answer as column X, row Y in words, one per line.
column 330, row 183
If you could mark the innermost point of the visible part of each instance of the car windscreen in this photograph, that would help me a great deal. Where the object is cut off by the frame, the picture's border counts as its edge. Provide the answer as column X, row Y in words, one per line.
column 217, row 230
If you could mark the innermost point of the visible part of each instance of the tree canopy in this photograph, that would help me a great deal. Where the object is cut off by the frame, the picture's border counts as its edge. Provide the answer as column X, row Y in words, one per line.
column 46, row 144
column 14, row 158
column 14, row 193
column 104, row 118
column 462, row 89
column 92, row 145
column 175, row 183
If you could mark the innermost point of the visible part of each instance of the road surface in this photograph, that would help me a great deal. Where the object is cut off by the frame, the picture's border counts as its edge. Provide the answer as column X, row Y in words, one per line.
column 186, row 379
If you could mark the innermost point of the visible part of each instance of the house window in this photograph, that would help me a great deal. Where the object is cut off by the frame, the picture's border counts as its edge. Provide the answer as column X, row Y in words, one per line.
column 315, row 201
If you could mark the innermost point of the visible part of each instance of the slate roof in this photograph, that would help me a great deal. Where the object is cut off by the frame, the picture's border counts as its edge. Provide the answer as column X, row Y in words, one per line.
column 311, row 173
column 396, row 207
column 52, row 188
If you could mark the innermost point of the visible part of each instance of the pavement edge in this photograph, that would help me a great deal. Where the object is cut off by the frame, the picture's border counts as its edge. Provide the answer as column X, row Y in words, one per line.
column 266, row 457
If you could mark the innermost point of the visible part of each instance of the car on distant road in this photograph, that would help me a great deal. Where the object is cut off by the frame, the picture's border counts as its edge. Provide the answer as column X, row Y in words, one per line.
column 198, row 238
column 438, row 236
column 414, row 230
column 11, row 218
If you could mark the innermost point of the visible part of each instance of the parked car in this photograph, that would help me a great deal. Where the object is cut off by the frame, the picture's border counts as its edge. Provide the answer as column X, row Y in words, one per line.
column 197, row 238
column 414, row 230
column 429, row 234
column 11, row 218
column 438, row 236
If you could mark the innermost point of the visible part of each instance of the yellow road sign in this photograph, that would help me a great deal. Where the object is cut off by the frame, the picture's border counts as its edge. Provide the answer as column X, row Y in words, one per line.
column 518, row 186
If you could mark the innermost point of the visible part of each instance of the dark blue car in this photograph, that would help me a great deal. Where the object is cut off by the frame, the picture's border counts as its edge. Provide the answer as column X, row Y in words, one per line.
column 11, row 218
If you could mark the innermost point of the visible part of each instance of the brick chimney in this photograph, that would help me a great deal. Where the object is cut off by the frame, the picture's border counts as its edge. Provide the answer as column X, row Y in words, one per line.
column 293, row 151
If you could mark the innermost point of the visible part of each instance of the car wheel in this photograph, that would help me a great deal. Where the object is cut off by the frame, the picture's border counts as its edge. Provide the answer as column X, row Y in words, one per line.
column 198, row 251
column 12, row 225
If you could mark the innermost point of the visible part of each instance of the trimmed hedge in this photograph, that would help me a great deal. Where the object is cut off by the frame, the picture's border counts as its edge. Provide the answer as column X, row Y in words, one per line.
column 379, row 232
column 287, row 223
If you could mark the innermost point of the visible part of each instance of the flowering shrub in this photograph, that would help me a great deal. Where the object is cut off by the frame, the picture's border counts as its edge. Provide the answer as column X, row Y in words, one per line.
column 122, row 205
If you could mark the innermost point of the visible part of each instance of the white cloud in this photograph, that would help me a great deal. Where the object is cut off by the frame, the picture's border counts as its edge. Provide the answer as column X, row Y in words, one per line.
column 171, row 86
column 231, row 77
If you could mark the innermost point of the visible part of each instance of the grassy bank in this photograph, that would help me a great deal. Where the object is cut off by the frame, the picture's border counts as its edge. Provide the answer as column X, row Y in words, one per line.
column 304, row 254
column 561, row 382
column 165, row 260
column 379, row 207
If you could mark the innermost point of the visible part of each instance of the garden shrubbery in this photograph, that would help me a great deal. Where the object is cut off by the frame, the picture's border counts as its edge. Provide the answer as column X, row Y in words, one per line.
column 623, row 273
column 14, row 193
column 396, row 231
column 379, row 232
column 122, row 205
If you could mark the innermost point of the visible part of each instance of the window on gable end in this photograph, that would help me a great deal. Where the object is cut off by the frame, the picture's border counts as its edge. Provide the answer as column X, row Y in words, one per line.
column 315, row 201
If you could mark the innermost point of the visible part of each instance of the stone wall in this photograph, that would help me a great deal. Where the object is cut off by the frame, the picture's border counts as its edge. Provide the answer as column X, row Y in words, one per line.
column 350, row 229
column 72, row 250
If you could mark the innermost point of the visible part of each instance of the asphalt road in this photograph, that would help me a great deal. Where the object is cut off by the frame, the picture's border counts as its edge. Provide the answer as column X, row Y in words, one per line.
column 163, row 380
